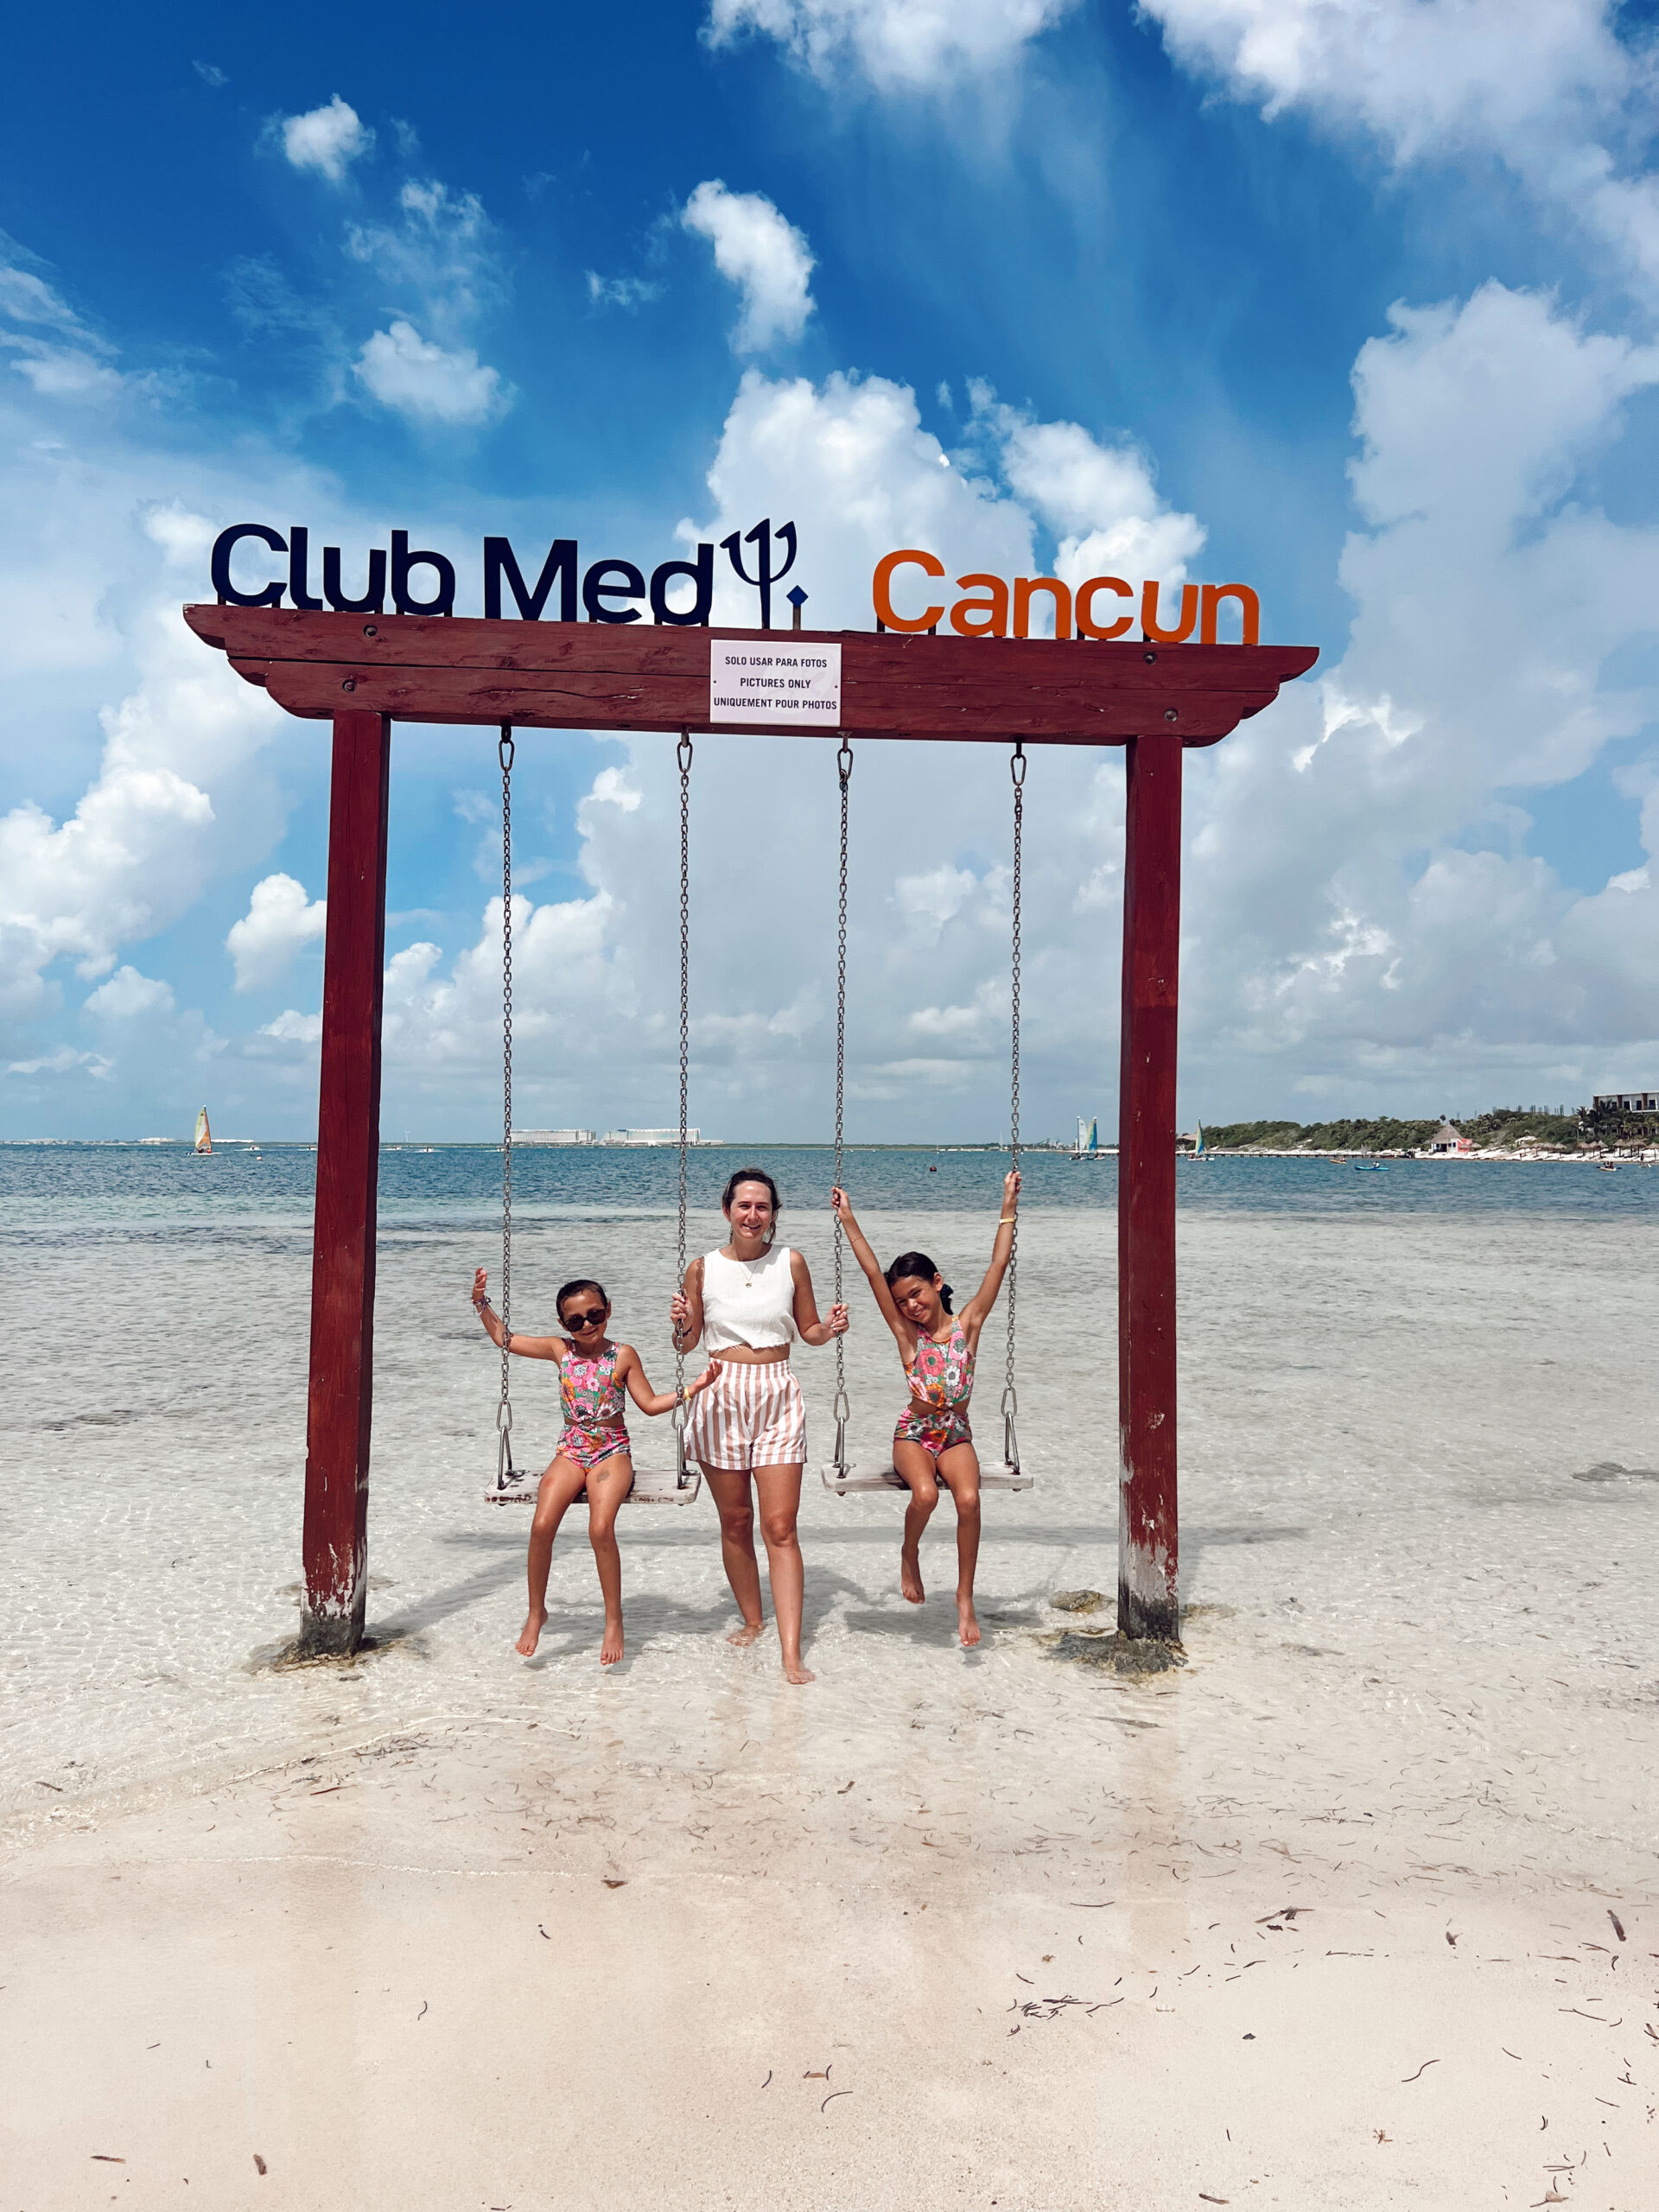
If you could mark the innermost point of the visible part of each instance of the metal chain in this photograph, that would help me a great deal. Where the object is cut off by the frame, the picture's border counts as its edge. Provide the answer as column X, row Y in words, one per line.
column 844, row 769
column 504, row 1412
column 682, row 755
column 1010, row 1397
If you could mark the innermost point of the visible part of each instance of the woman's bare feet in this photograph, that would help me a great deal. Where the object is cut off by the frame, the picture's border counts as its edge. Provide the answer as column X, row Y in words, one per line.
column 611, row 1651
column 745, row 1633
column 794, row 1672
column 910, row 1577
column 967, row 1620
column 531, row 1635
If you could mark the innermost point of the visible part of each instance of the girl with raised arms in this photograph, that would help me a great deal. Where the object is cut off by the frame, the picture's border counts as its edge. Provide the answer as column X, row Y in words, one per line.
column 594, row 1451
column 748, row 1301
column 932, row 1443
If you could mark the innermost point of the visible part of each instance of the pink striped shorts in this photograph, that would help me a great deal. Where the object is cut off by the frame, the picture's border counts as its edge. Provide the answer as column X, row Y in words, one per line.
column 751, row 1417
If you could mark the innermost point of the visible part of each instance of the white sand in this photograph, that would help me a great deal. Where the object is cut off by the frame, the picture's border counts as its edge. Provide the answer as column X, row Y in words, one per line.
column 1423, row 1701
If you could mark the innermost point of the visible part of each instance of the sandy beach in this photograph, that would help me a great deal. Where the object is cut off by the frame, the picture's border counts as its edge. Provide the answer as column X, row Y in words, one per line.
column 1357, row 1909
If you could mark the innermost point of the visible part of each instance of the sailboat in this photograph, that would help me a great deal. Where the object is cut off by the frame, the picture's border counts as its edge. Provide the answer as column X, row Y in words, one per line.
column 203, row 1134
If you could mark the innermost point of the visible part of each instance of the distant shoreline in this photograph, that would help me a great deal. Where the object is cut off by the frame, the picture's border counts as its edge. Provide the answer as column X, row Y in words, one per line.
column 760, row 1147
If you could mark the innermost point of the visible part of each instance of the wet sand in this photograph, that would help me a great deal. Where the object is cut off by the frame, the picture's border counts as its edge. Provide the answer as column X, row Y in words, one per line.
column 438, row 1928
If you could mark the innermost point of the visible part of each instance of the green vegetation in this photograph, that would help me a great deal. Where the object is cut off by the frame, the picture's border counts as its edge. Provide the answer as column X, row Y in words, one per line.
column 1245, row 1136
column 1611, row 1125
column 1507, row 1125
column 1503, row 1126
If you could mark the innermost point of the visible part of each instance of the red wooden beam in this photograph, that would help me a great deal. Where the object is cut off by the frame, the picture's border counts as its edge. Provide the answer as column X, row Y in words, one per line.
column 647, row 676
column 1148, row 1546
column 348, row 1163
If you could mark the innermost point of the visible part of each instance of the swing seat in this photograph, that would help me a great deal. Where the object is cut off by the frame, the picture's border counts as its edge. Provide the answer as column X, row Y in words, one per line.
column 650, row 1486
column 994, row 1474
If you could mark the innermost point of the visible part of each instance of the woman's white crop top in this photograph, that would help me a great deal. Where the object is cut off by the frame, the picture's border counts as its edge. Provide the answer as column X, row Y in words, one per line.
column 749, row 1301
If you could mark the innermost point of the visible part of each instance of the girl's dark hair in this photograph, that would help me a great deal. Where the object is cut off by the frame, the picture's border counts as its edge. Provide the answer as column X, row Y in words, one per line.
column 918, row 1264
column 751, row 1175
column 581, row 1282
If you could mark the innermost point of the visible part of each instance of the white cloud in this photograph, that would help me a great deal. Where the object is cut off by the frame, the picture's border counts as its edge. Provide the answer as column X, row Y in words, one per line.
column 293, row 1028
column 140, row 842
column 859, row 476
column 75, row 363
column 899, row 44
column 187, row 539
column 626, row 292
column 277, row 922
column 760, row 252
column 965, row 1027
column 1422, row 75
column 613, row 788
column 65, row 1061
column 1547, row 86
column 1100, row 500
column 442, row 255
column 417, row 378
column 61, row 372
column 937, row 898
column 327, row 139
column 1335, row 914
column 129, row 996
column 25, row 297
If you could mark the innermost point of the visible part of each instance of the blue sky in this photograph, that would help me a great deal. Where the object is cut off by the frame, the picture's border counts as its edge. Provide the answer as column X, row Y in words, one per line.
column 1352, row 301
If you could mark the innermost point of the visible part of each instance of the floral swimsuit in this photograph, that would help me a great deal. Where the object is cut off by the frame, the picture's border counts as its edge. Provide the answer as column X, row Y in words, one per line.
column 945, row 1371
column 593, row 1428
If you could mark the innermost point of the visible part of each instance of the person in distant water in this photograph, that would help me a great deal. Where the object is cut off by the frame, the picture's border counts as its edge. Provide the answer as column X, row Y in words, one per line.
column 749, row 1299
column 594, row 1451
column 932, row 1443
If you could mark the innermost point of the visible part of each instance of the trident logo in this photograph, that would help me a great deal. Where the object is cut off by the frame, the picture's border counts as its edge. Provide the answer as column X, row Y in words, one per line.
column 765, row 575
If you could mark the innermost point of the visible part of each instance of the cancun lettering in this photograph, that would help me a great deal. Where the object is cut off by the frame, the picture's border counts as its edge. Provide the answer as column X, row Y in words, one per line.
column 988, row 607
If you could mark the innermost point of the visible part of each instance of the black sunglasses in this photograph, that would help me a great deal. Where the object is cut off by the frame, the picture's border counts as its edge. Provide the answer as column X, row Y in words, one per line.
column 587, row 1321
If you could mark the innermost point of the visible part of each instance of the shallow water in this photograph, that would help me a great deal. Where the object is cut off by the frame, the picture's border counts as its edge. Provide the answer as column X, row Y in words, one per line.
column 62, row 1187
column 1388, row 1408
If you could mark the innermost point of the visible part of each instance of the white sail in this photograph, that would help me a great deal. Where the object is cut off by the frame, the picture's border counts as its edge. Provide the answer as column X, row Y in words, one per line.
column 203, row 1134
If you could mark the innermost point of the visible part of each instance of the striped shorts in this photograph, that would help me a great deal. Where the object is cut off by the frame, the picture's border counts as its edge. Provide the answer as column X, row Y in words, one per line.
column 750, row 1417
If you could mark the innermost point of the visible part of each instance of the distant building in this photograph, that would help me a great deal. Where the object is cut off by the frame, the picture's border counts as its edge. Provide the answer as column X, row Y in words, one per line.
column 1627, row 1101
column 1448, row 1138
column 554, row 1136
column 651, row 1136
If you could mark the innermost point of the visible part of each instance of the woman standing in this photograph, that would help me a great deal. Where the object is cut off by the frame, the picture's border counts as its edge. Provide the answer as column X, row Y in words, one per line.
column 748, row 1300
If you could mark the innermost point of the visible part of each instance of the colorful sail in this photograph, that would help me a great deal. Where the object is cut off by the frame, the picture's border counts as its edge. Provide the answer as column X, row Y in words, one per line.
column 203, row 1134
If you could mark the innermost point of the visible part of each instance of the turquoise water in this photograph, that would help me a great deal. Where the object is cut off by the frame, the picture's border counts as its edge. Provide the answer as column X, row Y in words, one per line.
column 75, row 1188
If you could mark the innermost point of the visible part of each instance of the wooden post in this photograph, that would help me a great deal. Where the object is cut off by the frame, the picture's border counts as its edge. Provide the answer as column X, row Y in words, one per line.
column 348, row 1164
column 1148, row 1532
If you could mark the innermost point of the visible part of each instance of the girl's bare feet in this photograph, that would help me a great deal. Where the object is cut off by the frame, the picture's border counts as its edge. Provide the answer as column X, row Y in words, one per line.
column 611, row 1651
column 910, row 1577
column 745, row 1633
column 794, row 1672
column 531, row 1635
column 967, row 1620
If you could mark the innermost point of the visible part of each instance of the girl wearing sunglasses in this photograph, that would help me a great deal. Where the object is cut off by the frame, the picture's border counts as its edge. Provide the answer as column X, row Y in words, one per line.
column 593, row 1452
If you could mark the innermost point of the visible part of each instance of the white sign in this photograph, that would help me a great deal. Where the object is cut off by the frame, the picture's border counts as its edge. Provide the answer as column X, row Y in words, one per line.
column 756, row 681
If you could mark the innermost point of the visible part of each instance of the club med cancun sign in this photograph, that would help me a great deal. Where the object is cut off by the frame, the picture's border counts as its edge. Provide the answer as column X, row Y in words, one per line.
column 254, row 565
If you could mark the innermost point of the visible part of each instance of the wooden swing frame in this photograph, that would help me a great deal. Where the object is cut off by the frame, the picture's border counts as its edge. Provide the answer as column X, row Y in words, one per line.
column 362, row 674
